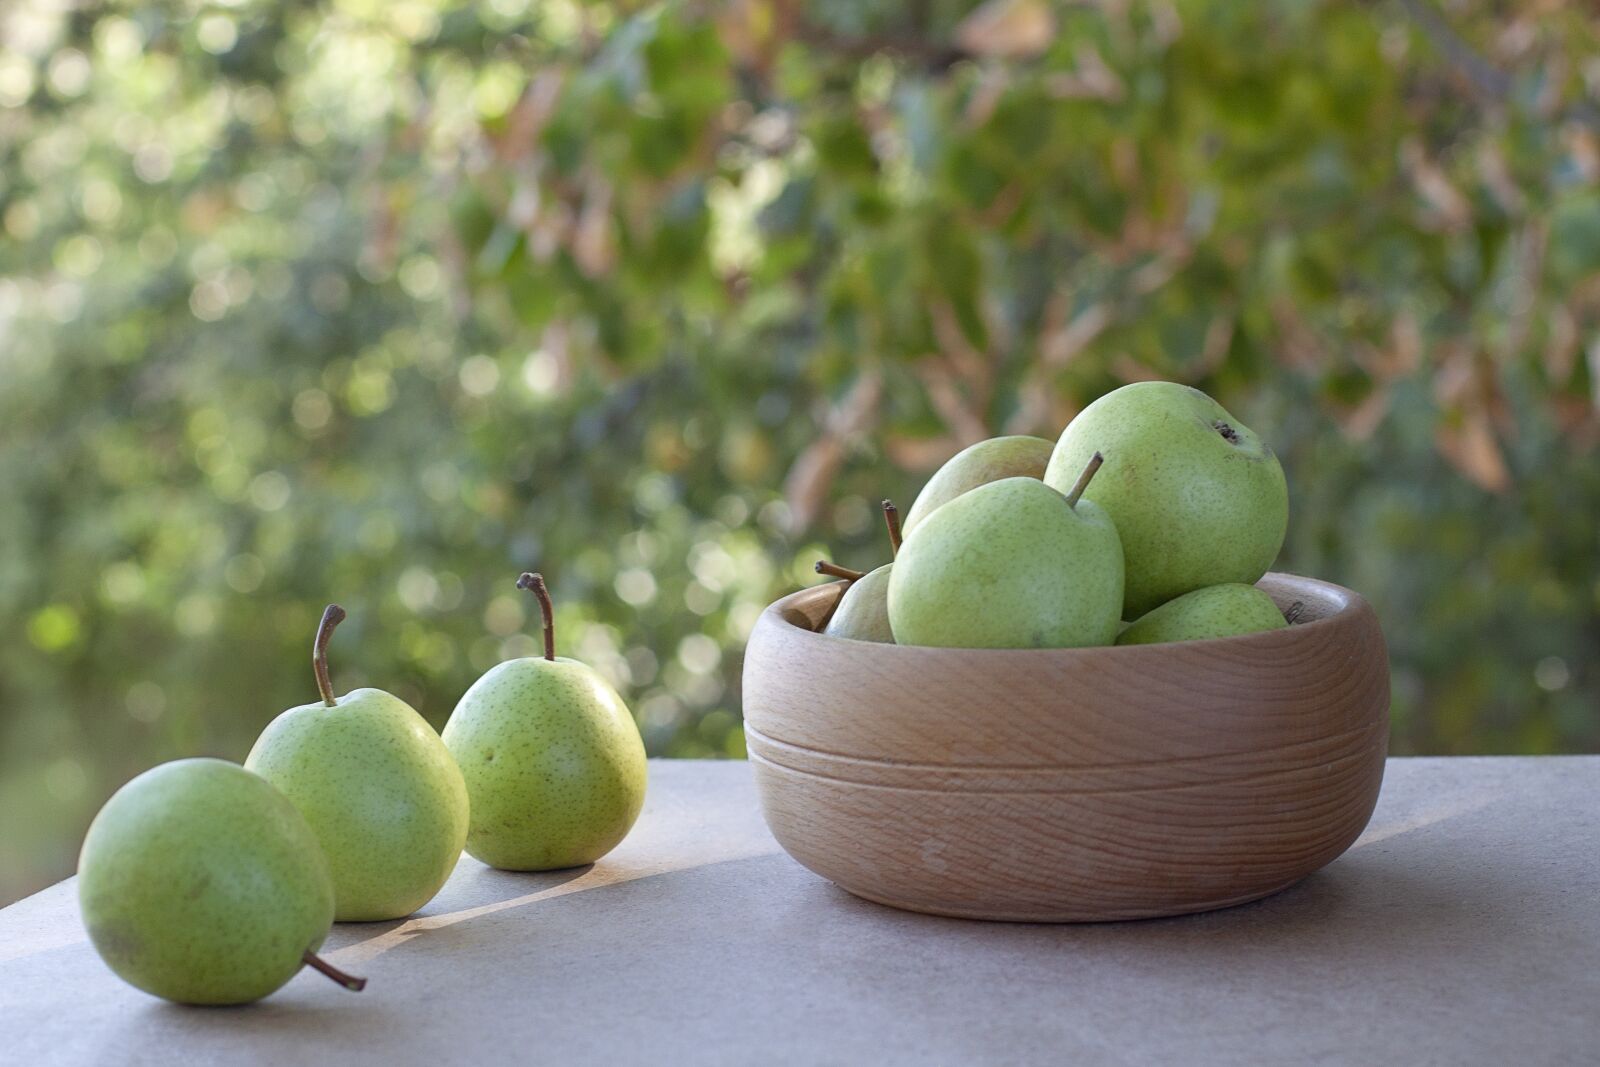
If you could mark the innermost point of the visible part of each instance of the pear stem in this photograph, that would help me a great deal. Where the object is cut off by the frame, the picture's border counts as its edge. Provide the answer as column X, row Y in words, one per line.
column 833, row 570
column 1083, row 479
column 332, row 616
column 535, row 582
column 349, row 981
column 891, row 518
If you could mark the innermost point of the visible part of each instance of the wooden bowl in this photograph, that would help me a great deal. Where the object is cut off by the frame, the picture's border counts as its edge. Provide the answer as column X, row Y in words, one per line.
column 1070, row 785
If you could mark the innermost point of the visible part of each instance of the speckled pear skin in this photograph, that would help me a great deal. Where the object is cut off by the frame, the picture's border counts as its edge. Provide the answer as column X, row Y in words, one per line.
column 381, row 792
column 979, row 464
column 200, row 883
column 1215, row 611
column 863, row 611
column 553, row 762
column 1198, row 499
column 1009, row 565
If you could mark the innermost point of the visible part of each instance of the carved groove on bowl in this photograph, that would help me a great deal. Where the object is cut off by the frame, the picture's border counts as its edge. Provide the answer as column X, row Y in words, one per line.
column 1177, row 772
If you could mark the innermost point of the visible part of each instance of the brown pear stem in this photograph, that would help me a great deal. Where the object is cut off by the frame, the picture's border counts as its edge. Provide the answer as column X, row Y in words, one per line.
column 349, row 981
column 891, row 518
column 332, row 616
column 535, row 582
column 833, row 570
column 1083, row 479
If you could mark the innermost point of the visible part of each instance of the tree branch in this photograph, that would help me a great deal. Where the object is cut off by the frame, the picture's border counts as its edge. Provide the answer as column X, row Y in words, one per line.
column 937, row 56
column 1487, row 80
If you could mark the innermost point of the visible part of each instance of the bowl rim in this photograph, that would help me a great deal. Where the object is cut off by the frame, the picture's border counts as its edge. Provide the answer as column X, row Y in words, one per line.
column 1348, row 604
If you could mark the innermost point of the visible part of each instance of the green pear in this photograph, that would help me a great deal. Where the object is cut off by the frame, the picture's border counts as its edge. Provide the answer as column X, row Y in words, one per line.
column 200, row 883
column 552, row 758
column 862, row 613
column 1197, row 498
column 378, row 787
column 1010, row 564
column 1215, row 611
column 979, row 464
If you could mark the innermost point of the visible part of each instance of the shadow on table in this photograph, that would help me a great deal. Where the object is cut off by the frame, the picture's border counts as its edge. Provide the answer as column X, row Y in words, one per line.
column 1433, row 902
column 489, row 888
column 517, row 945
column 481, row 892
column 520, row 958
column 313, row 1014
column 1382, row 896
column 356, row 940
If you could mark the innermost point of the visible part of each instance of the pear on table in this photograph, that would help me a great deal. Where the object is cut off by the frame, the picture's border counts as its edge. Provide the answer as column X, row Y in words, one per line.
column 863, row 611
column 1197, row 498
column 1010, row 564
column 377, row 786
column 200, row 883
column 987, row 461
column 1215, row 611
column 552, row 758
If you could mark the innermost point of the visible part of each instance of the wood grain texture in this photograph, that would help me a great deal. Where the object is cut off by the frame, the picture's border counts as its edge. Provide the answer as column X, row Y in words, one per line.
column 1070, row 785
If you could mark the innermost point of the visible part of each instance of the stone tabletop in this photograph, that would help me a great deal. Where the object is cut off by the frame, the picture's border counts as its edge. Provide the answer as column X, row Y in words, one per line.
column 1464, row 927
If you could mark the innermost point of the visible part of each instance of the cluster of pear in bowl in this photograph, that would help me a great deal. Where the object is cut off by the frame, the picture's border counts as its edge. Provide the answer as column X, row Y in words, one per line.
column 205, row 882
column 1149, row 521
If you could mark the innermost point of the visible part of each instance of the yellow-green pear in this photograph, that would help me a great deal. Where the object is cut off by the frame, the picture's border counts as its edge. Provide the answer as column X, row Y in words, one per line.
column 1215, row 611
column 553, row 760
column 1010, row 564
column 201, row 883
column 1197, row 498
column 378, row 787
column 862, row 613
column 987, row 461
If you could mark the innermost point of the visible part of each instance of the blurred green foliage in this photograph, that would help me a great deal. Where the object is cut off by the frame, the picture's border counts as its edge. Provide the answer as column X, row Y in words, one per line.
column 383, row 301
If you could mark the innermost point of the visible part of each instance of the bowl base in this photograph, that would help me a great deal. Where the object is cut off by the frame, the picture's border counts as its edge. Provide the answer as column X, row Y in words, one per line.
column 1069, row 916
